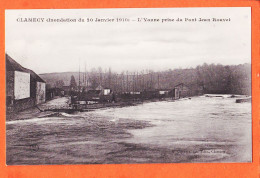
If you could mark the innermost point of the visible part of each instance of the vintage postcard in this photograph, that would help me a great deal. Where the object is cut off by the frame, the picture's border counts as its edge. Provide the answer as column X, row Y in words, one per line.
column 133, row 85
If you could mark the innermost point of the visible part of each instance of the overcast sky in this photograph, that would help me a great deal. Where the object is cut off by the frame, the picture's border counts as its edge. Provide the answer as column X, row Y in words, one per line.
column 58, row 47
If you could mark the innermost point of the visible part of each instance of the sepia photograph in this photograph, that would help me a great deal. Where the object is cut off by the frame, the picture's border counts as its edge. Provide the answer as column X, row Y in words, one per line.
column 128, row 86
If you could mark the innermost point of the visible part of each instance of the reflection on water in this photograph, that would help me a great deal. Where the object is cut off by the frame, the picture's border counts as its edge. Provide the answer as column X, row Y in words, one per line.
column 197, row 130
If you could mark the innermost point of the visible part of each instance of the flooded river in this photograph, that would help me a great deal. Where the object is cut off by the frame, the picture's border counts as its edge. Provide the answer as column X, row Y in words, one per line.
column 202, row 129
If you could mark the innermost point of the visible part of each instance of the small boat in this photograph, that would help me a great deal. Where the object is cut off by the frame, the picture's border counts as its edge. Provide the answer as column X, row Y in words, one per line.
column 66, row 110
column 243, row 100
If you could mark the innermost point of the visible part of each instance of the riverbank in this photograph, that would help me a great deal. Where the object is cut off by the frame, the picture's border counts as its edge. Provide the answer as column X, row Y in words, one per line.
column 36, row 112
column 62, row 104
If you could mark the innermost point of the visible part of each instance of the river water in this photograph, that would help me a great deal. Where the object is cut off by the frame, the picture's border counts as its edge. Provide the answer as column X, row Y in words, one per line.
column 202, row 129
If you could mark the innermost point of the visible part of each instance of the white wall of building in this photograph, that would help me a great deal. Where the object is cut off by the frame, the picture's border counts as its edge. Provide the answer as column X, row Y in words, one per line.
column 21, row 85
column 40, row 92
column 106, row 91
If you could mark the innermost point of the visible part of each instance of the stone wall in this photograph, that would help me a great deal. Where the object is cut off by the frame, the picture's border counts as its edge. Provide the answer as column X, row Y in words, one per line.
column 10, row 83
column 9, row 91
column 22, row 104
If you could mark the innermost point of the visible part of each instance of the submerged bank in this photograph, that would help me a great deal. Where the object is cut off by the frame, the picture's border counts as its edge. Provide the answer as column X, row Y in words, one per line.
column 61, row 105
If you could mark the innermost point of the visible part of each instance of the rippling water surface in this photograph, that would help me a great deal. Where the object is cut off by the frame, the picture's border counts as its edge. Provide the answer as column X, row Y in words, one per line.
column 198, row 130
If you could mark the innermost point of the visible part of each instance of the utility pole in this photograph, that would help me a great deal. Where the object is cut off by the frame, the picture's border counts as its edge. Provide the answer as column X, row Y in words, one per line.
column 151, row 84
column 122, row 83
column 143, row 81
column 85, row 75
column 158, row 80
column 100, row 76
column 137, row 84
column 115, row 85
column 133, row 82
column 79, row 75
column 127, row 81
column 109, row 77
column 83, row 79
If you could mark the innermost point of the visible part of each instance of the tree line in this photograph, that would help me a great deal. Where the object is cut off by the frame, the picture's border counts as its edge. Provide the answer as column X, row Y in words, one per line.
column 211, row 78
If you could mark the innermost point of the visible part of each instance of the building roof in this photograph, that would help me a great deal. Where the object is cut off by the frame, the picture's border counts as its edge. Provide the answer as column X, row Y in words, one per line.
column 99, row 87
column 94, row 92
column 12, row 65
column 181, row 85
column 164, row 89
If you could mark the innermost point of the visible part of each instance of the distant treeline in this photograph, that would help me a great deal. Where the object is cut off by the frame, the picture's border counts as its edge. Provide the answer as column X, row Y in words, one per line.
column 217, row 79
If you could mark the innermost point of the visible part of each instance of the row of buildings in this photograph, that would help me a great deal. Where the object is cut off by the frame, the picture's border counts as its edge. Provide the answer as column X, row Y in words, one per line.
column 101, row 94
column 106, row 94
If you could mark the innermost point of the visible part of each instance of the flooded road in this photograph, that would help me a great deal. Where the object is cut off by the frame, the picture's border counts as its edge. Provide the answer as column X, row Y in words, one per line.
column 202, row 129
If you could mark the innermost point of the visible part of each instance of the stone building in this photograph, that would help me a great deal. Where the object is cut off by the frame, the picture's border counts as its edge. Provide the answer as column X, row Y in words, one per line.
column 24, row 88
column 181, row 91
